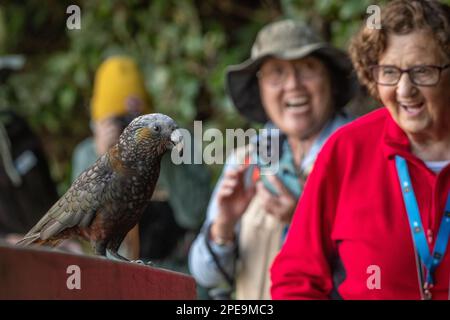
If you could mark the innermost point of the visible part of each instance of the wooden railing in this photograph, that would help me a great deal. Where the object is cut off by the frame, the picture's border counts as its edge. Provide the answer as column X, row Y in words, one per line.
column 31, row 273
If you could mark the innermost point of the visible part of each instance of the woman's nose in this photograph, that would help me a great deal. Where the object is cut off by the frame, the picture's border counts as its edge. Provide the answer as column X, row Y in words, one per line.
column 405, row 88
column 293, row 79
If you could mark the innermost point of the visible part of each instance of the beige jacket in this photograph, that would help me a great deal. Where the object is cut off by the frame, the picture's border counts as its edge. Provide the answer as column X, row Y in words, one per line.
column 260, row 239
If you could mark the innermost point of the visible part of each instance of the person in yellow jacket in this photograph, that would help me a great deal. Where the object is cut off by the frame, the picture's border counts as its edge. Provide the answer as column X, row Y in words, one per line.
column 182, row 193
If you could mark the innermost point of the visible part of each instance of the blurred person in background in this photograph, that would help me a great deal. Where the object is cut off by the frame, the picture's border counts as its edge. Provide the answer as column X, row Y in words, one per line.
column 27, row 189
column 298, row 84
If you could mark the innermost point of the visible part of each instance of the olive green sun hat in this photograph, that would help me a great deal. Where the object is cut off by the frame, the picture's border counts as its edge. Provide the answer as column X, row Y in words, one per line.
column 287, row 40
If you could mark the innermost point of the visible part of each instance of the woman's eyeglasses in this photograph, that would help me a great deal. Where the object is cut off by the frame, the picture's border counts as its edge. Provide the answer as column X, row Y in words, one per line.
column 422, row 75
column 277, row 75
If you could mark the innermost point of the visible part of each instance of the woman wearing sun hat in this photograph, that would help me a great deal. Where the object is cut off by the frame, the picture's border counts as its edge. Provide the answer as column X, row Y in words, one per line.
column 299, row 84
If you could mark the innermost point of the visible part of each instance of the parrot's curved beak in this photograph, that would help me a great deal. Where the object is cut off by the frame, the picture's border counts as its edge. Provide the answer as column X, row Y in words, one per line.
column 176, row 139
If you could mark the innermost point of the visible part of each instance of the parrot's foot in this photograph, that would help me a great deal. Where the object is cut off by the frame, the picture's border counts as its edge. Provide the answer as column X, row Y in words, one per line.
column 145, row 263
column 113, row 255
column 139, row 261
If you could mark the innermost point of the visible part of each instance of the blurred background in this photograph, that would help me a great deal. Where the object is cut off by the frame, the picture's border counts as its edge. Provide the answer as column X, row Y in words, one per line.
column 182, row 46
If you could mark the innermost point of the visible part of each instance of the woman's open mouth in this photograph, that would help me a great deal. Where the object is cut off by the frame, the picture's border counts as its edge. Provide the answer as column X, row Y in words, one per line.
column 413, row 109
column 296, row 102
column 297, row 105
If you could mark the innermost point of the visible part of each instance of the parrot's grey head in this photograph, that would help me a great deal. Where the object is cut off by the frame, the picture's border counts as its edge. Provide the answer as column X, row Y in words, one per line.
column 151, row 135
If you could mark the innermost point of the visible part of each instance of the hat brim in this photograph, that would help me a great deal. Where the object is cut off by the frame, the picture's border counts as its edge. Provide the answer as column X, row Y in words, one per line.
column 242, row 83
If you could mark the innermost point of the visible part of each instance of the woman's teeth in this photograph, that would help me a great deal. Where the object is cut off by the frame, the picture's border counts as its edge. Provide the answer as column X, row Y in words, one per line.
column 296, row 102
column 413, row 109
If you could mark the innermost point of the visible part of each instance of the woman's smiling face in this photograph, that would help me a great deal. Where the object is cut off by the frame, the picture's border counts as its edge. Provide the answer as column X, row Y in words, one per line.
column 420, row 111
column 296, row 95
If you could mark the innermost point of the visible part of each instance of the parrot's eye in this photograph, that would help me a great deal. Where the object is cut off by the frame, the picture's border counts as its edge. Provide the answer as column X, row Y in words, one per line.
column 156, row 128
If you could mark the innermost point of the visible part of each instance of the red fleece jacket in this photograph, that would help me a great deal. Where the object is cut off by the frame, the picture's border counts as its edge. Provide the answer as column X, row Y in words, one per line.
column 352, row 217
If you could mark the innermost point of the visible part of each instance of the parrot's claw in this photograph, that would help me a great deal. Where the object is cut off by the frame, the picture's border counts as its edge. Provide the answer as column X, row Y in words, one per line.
column 144, row 263
column 138, row 261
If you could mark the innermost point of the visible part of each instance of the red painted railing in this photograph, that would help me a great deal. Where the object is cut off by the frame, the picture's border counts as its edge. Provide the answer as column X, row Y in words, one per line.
column 30, row 273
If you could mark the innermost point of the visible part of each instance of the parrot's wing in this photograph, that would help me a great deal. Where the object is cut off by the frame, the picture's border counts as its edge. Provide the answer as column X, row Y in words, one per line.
column 76, row 207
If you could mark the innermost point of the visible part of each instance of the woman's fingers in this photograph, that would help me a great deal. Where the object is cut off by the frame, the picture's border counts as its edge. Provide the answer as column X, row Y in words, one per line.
column 229, row 183
column 279, row 206
column 234, row 178
column 262, row 190
column 266, row 197
column 225, row 192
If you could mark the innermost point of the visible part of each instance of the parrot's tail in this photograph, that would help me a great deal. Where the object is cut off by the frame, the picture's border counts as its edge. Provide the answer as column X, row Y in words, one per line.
column 29, row 239
column 34, row 239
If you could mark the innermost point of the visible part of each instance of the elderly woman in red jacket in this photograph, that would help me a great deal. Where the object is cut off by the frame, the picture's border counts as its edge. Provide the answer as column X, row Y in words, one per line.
column 374, row 218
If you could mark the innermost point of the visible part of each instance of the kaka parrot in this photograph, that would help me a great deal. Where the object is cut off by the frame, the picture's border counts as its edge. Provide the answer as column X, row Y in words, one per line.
column 107, row 199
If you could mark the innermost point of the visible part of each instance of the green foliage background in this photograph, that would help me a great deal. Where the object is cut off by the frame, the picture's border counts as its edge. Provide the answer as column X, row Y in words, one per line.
column 182, row 46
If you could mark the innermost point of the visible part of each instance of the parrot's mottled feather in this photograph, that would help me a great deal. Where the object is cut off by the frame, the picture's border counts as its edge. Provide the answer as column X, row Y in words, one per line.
column 75, row 206
column 108, row 198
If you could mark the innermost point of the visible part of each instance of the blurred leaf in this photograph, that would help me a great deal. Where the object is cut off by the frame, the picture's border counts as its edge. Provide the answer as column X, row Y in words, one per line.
column 66, row 99
column 351, row 9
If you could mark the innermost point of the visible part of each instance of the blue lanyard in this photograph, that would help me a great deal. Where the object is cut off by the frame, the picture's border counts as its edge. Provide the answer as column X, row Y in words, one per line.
column 431, row 261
